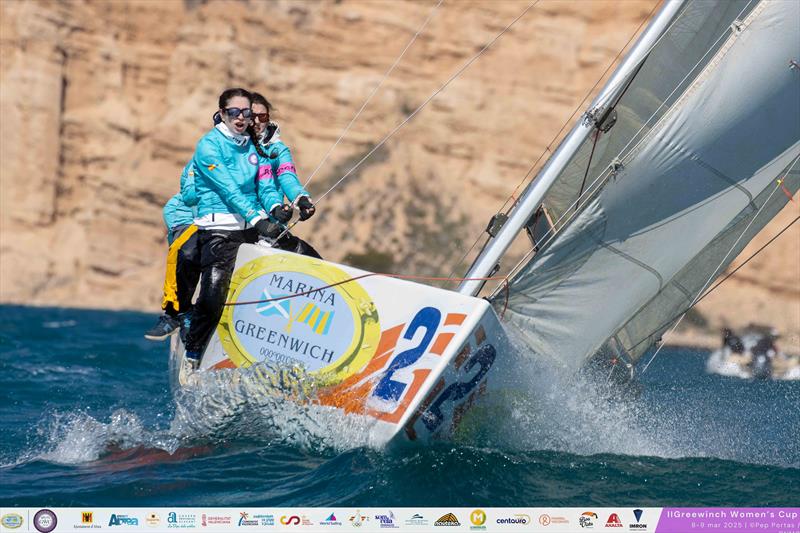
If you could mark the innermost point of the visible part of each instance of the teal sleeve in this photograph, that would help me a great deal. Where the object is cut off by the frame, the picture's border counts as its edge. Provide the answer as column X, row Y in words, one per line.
column 176, row 213
column 210, row 163
column 188, row 190
column 268, row 194
column 286, row 173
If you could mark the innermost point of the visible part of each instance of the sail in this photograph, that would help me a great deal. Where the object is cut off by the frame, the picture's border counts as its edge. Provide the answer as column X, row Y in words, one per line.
column 691, row 191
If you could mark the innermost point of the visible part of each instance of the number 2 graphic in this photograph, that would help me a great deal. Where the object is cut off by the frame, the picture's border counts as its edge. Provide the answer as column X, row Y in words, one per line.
column 428, row 318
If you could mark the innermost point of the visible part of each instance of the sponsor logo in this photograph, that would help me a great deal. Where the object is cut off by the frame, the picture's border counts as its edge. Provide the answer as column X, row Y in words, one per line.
column 219, row 520
column 87, row 521
column 331, row 521
column 212, row 167
column 122, row 520
column 386, row 520
column 447, row 520
column 417, row 520
column 358, row 519
column 245, row 520
column 330, row 331
column 546, row 519
column 587, row 519
column 639, row 525
column 252, row 159
column 517, row 519
column 181, row 520
column 265, row 519
column 478, row 518
column 152, row 520
column 295, row 520
column 11, row 521
column 613, row 520
column 45, row 521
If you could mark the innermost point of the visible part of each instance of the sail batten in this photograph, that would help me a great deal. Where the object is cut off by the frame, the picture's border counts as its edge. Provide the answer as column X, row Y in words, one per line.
column 645, row 243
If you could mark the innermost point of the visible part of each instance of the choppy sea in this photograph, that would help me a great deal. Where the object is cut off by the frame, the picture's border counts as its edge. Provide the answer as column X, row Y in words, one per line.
column 88, row 418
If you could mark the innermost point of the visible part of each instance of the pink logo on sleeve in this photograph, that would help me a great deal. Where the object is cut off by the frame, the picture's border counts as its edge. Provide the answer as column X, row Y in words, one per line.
column 264, row 172
column 286, row 167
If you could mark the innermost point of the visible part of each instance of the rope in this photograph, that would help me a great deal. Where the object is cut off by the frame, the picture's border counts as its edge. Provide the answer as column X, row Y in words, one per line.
column 370, row 274
column 417, row 110
column 591, row 189
column 712, row 289
column 513, row 196
column 710, row 279
column 375, row 90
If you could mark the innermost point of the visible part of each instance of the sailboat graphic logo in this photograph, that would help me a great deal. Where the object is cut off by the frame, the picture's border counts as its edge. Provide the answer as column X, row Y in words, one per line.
column 310, row 314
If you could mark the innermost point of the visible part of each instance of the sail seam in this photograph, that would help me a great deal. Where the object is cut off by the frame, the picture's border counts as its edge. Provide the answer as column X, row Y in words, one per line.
column 635, row 261
column 697, row 159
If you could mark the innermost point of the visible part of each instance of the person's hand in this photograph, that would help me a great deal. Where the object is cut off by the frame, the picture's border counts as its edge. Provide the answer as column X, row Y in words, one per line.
column 307, row 208
column 268, row 230
column 282, row 213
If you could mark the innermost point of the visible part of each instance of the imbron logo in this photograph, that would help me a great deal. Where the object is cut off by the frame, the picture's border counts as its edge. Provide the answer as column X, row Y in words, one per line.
column 639, row 525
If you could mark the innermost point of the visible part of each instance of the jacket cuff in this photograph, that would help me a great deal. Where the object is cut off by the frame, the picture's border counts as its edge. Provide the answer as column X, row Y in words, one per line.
column 255, row 219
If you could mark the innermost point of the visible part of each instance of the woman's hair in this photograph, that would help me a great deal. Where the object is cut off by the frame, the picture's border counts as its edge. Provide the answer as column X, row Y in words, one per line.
column 227, row 94
column 256, row 98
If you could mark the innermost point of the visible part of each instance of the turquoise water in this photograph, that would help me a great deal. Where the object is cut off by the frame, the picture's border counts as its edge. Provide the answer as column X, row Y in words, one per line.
column 88, row 419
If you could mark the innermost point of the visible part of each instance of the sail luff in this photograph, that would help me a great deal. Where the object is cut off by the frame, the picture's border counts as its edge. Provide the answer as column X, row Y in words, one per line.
column 533, row 195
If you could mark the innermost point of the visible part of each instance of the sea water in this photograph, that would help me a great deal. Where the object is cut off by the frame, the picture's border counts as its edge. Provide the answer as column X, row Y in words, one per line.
column 88, row 419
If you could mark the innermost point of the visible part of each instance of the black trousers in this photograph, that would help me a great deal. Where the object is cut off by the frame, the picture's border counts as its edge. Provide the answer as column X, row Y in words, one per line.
column 187, row 274
column 218, row 251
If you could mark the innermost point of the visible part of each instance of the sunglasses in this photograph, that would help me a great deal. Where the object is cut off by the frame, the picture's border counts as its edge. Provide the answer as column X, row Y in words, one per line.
column 234, row 112
column 262, row 117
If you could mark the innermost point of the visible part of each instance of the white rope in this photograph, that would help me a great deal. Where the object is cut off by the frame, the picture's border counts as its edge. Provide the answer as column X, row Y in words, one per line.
column 714, row 273
column 375, row 90
column 606, row 172
column 431, row 97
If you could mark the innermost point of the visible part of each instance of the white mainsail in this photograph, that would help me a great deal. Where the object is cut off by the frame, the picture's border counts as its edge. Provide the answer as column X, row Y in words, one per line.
column 707, row 125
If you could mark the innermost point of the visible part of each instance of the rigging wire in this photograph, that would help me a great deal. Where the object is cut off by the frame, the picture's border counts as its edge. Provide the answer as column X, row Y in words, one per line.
column 713, row 273
column 419, row 108
column 375, row 90
column 720, row 282
column 598, row 182
column 557, row 135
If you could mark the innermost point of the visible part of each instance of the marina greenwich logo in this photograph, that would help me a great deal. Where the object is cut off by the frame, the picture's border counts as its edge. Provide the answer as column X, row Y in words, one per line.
column 299, row 312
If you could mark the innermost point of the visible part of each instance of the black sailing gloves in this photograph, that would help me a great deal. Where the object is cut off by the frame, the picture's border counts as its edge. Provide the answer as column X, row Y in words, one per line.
column 268, row 230
column 282, row 213
column 306, row 208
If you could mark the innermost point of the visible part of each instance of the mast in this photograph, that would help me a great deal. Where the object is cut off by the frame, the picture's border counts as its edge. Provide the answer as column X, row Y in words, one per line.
column 534, row 194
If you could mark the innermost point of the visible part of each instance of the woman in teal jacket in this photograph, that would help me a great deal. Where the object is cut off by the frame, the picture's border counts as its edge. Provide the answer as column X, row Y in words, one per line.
column 283, row 174
column 231, row 185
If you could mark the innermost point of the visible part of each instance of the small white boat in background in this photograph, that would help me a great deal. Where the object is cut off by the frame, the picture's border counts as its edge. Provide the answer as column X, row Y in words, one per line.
column 753, row 354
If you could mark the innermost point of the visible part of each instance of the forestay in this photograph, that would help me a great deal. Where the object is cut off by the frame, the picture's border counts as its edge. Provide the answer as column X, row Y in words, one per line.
column 648, row 237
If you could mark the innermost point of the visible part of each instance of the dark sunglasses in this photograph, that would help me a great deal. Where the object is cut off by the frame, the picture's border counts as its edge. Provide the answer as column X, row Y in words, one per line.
column 234, row 112
column 262, row 117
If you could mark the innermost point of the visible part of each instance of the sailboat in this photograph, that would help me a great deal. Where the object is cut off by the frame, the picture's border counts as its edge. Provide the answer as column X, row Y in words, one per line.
column 691, row 147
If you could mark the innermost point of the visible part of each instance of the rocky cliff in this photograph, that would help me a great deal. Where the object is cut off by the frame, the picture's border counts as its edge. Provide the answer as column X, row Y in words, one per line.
column 102, row 102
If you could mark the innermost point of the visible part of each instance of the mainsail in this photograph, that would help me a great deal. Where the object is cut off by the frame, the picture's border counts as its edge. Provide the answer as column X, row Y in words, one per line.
column 648, row 213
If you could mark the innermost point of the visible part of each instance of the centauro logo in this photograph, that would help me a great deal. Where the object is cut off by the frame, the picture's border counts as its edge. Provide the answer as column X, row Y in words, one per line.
column 302, row 313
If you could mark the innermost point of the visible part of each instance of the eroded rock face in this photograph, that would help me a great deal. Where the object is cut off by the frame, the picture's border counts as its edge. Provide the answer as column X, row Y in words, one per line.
column 102, row 103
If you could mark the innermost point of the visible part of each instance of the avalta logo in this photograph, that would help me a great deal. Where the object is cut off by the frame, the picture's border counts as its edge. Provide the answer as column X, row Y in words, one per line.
column 305, row 314
column 587, row 519
column 613, row 520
